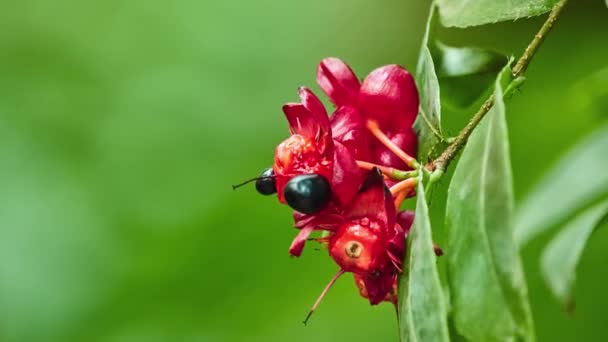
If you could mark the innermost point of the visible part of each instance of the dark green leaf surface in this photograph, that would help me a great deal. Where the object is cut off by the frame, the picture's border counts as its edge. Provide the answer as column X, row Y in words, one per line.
column 563, row 253
column 422, row 307
column 583, row 170
column 487, row 285
column 464, row 13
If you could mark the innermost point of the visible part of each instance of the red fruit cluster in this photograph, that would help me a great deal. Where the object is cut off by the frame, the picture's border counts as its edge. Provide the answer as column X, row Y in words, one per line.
column 369, row 132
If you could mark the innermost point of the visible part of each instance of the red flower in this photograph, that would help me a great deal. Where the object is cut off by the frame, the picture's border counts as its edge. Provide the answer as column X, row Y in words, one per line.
column 360, row 244
column 367, row 239
column 322, row 172
column 387, row 95
column 311, row 150
column 384, row 287
column 370, row 243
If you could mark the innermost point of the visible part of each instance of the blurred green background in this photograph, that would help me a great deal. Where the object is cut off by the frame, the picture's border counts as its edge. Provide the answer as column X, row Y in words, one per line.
column 124, row 123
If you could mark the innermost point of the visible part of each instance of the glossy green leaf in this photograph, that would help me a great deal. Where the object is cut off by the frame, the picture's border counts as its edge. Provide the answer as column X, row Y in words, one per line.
column 422, row 307
column 464, row 13
column 428, row 123
column 487, row 285
column 582, row 170
column 561, row 256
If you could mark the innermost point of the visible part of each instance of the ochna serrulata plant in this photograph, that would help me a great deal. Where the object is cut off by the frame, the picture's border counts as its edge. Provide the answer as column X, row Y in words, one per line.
column 346, row 171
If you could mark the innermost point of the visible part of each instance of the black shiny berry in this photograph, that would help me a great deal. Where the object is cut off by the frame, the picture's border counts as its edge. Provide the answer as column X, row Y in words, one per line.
column 307, row 194
column 266, row 185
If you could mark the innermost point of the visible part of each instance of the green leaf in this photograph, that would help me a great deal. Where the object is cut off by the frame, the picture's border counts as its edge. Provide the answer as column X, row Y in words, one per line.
column 487, row 284
column 561, row 256
column 464, row 13
column 453, row 66
column 422, row 307
column 582, row 170
column 465, row 61
column 428, row 123
column 465, row 73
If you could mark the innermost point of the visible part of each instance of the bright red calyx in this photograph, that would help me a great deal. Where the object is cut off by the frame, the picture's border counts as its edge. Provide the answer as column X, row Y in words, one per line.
column 311, row 149
column 360, row 246
column 389, row 95
column 370, row 243
column 300, row 154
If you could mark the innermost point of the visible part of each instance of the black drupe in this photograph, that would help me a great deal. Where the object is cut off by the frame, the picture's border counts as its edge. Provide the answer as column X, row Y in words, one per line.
column 265, row 185
column 307, row 194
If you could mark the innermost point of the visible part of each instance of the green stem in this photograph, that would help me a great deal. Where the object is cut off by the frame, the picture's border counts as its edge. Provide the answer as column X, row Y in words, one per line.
column 399, row 175
column 433, row 177
column 524, row 60
column 442, row 162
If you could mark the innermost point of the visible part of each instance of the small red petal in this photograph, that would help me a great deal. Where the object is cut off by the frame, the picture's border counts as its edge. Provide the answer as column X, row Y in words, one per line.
column 396, row 247
column 315, row 107
column 301, row 220
column 327, row 219
column 346, row 174
column 405, row 219
column 372, row 199
column 347, row 127
column 338, row 81
column 389, row 95
column 389, row 209
column 301, row 121
column 280, row 182
column 300, row 240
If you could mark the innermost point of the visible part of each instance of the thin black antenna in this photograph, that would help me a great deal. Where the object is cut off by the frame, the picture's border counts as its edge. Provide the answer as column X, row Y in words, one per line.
column 234, row 187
